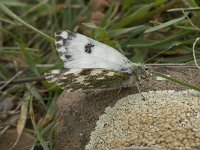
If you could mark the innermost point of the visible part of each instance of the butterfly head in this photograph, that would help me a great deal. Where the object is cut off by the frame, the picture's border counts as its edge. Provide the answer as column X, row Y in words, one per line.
column 139, row 70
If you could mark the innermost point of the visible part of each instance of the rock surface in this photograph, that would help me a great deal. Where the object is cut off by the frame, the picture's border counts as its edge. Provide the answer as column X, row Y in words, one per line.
column 78, row 112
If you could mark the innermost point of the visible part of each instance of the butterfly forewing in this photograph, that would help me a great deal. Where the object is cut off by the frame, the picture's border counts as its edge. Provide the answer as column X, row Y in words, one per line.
column 79, row 51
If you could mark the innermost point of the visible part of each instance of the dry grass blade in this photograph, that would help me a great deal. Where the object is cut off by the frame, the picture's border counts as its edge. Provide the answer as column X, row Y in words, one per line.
column 193, row 50
column 23, row 117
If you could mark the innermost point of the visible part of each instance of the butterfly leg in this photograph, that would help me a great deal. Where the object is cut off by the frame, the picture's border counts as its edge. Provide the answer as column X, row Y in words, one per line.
column 138, row 88
column 119, row 90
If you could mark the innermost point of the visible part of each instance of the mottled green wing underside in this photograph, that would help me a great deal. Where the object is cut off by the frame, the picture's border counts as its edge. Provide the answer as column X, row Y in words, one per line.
column 92, row 78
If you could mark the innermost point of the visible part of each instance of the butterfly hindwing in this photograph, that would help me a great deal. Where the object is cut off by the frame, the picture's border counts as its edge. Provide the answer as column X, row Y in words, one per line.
column 79, row 51
column 87, row 78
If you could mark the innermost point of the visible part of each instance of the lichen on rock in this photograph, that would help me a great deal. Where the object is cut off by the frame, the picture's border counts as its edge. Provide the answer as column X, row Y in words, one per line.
column 166, row 120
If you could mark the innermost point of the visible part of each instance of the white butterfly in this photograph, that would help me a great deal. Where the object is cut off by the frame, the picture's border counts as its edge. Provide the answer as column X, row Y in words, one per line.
column 91, row 65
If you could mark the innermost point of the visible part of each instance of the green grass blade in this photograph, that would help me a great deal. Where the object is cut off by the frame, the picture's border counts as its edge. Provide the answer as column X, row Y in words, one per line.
column 36, row 94
column 29, row 59
column 118, row 32
column 167, row 41
column 132, row 17
column 196, row 88
column 12, row 15
column 166, row 24
column 39, row 136
column 12, row 3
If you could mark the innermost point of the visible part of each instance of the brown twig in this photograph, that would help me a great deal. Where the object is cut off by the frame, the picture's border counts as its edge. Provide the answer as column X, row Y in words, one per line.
column 30, row 79
column 9, row 81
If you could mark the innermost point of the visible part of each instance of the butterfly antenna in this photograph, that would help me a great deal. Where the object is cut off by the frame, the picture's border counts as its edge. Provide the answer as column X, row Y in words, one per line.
column 177, row 44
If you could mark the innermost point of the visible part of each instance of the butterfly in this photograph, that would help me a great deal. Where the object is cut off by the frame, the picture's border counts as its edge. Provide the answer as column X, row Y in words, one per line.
column 89, row 64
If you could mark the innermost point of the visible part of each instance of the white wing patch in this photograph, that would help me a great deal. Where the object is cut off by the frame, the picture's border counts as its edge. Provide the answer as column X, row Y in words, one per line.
column 79, row 51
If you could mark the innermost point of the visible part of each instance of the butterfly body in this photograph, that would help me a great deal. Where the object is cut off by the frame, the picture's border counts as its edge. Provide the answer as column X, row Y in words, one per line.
column 91, row 65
